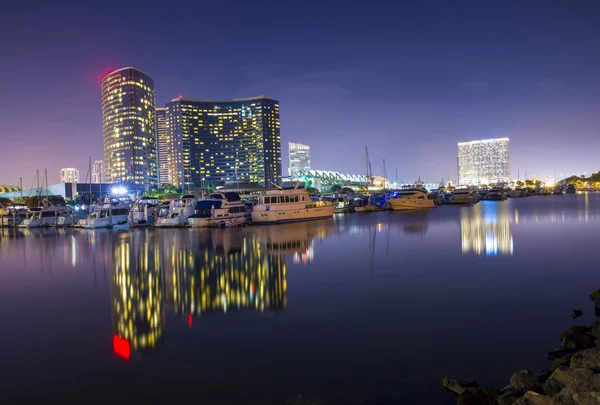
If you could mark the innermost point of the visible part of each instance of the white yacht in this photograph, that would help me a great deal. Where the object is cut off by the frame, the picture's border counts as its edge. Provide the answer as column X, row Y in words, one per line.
column 144, row 211
column 111, row 214
column 179, row 211
column 290, row 203
column 48, row 215
column 13, row 215
column 219, row 209
column 464, row 196
column 411, row 199
column 496, row 194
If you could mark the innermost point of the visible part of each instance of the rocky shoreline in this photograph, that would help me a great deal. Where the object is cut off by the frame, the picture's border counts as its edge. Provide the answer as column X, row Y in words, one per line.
column 574, row 379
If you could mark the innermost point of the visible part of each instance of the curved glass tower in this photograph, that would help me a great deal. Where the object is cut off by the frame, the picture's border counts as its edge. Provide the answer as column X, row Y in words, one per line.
column 129, row 126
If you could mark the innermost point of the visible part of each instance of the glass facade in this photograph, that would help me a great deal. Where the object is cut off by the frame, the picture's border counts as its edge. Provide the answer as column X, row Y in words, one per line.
column 483, row 162
column 299, row 157
column 164, row 146
column 216, row 142
column 129, row 126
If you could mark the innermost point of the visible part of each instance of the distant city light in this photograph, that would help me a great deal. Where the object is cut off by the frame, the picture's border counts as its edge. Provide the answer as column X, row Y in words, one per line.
column 118, row 191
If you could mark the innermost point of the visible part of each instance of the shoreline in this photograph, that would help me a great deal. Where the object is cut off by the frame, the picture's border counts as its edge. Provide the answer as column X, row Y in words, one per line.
column 573, row 380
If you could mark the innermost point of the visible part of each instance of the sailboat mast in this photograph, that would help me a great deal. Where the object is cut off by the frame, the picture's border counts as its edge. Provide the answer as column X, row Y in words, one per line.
column 384, row 176
column 37, row 176
column 21, row 185
column 90, row 177
column 367, row 165
column 46, row 179
column 99, row 180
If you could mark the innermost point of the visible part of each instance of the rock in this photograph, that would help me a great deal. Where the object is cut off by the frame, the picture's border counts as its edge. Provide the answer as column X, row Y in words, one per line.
column 560, row 357
column 525, row 380
column 533, row 398
column 595, row 329
column 576, row 313
column 477, row 396
column 509, row 397
column 589, row 358
column 563, row 376
column 597, row 342
column 542, row 375
column 575, row 328
column 587, row 398
column 578, row 340
column 595, row 296
column 458, row 384
column 587, row 384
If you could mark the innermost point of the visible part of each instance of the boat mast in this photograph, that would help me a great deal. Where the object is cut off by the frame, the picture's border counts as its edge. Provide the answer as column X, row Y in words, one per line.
column 37, row 176
column 21, row 185
column 384, row 176
column 90, row 177
column 99, row 181
column 367, row 165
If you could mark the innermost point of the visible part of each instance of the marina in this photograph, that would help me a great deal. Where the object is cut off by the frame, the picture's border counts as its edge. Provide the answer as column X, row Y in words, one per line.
column 211, row 294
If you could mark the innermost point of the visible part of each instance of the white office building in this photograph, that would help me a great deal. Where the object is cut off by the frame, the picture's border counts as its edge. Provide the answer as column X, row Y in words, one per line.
column 483, row 162
column 299, row 158
column 69, row 175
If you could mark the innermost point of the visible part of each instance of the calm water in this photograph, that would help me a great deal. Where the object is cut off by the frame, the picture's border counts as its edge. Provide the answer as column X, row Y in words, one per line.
column 380, row 304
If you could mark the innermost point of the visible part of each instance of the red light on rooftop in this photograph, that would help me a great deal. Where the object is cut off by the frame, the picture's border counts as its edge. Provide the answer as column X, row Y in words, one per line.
column 121, row 347
column 180, row 96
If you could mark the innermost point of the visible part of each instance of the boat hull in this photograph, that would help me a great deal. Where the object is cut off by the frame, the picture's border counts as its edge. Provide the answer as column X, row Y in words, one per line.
column 169, row 222
column 464, row 200
column 405, row 204
column 292, row 215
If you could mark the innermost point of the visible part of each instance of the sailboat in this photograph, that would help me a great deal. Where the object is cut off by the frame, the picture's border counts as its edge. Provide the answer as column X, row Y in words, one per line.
column 365, row 204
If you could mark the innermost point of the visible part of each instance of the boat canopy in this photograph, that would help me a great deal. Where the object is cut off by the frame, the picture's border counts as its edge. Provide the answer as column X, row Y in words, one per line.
column 203, row 205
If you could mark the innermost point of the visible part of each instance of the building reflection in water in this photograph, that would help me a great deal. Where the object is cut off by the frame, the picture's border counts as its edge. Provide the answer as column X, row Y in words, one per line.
column 136, row 294
column 485, row 228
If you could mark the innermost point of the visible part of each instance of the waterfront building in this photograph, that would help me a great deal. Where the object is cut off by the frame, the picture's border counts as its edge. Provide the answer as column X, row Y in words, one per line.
column 65, row 190
column 483, row 162
column 299, row 156
column 129, row 126
column 69, row 175
column 98, row 172
column 164, row 146
column 224, row 142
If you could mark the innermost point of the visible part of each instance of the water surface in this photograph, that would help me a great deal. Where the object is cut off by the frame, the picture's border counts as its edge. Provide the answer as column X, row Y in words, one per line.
column 381, row 304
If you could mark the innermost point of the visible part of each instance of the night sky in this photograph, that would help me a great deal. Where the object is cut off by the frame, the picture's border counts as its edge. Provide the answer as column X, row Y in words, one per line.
column 409, row 79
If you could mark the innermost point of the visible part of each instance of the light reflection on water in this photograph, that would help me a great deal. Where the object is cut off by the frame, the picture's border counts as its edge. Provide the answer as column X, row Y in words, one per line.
column 313, row 307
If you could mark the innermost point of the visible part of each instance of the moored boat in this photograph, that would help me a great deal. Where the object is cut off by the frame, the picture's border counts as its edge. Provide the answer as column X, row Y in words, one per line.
column 13, row 215
column 412, row 198
column 464, row 196
column 48, row 215
column 179, row 212
column 218, row 209
column 496, row 194
column 290, row 203
column 112, row 213
column 144, row 211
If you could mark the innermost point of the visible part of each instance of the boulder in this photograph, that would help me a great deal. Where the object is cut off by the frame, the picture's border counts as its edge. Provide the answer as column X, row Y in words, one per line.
column 563, row 376
column 458, row 384
column 595, row 328
column 576, row 340
column 589, row 358
column 560, row 357
column 543, row 375
column 525, row 380
column 478, row 396
column 595, row 296
column 533, row 398
column 575, row 328
column 576, row 313
column 587, row 384
column 509, row 397
column 587, row 398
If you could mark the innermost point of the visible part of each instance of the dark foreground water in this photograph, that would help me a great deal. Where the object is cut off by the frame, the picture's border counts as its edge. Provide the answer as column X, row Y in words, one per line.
column 366, row 305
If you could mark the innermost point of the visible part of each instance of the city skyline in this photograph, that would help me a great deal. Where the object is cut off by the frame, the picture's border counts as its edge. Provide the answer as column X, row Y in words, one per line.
column 424, row 84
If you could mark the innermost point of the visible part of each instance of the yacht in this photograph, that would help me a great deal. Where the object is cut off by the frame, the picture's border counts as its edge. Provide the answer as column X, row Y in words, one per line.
column 516, row 193
column 343, row 206
column 496, row 194
column 144, row 211
column 179, row 212
column 290, row 203
column 112, row 213
column 464, row 196
column 13, row 215
column 48, row 215
column 220, row 209
column 410, row 199
column 364, row 204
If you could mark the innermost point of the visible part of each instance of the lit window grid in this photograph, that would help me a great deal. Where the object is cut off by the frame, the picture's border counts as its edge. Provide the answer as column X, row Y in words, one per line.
column 483, row 162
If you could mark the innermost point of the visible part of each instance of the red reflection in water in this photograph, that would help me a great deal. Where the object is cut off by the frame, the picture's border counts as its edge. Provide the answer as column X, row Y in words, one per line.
column 121, row 347
column 190, row 320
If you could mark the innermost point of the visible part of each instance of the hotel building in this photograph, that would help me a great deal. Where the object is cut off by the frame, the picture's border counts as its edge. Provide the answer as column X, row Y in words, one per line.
column 129, row 126
column 299, row 156
column 220, row 142
column 98, row 174
column 69, row 175
column 164, row 146
column 483, row 162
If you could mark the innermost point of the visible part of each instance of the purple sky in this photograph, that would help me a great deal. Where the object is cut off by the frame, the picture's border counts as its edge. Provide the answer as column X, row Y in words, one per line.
column 408, row 79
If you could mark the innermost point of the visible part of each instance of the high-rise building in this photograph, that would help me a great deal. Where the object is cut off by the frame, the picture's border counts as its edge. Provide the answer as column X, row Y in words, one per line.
column 69, row 175
column 483, row 162
column 98, row 173
column 129, row 122
column 218, row 142
column 299, row 157
column 164, row 146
